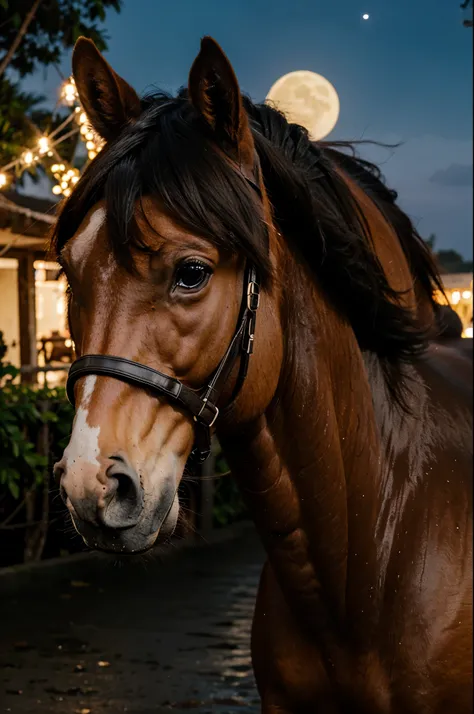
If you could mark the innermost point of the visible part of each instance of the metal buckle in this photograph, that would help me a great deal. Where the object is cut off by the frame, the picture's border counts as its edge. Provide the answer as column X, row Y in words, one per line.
column 249, row 347
column 253, row 296
column 205, row 404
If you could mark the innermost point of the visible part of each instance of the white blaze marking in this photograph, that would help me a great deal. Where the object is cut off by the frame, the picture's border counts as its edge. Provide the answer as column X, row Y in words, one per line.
column 84, row 443
column 83, row 243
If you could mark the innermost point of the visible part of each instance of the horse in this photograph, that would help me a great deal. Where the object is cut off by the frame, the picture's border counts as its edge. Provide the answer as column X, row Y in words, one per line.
column 227, row 273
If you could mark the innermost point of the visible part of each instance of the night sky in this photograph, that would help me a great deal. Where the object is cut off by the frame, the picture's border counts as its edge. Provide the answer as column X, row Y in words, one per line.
column 403, row 75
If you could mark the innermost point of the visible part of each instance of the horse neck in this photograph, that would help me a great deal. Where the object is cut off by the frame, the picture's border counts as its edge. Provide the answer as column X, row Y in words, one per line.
column 308, row 467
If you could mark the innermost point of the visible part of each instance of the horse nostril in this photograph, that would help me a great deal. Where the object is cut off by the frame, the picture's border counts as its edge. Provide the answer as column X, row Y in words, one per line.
column 126, row 487
column 124, row 498
column 58, row 472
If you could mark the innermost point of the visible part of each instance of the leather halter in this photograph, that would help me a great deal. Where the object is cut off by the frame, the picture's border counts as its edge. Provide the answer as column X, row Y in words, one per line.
column 202, row 403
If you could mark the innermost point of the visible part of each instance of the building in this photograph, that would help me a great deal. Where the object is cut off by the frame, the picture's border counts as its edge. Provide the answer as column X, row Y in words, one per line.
column 459, row 291
column 32, row 299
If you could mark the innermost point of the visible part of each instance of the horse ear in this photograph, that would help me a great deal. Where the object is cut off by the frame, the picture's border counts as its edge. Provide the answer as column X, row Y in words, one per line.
column 109, row 102
column 214, row 92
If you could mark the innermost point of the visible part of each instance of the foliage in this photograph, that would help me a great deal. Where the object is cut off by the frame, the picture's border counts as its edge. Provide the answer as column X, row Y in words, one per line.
column 228, row 503
column 16, row 131
column 452, row 262
column 20, row 120
column 22, row 413
column 55, row 27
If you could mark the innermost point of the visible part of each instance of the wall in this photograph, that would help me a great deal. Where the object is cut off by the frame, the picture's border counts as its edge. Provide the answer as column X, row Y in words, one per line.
column 9, row 319
column 50, row 306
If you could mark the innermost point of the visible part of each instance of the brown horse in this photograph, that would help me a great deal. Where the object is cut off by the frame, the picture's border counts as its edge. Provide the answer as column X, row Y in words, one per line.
column 348, row 429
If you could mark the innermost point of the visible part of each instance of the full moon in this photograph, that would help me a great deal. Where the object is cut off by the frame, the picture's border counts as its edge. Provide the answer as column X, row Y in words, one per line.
column 308, row 99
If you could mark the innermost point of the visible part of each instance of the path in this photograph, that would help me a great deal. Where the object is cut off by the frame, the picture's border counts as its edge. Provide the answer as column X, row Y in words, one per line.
column 147, row 637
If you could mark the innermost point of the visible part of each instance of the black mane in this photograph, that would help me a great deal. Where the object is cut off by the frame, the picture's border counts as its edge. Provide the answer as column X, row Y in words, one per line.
column 167, row 154
column 369, row 177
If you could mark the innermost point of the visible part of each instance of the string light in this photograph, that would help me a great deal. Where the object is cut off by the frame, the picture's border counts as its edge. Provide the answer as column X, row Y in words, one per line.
column 66, row 177
column 68, row 92
column 93, row 141
column 43, row 145
column 28, row 158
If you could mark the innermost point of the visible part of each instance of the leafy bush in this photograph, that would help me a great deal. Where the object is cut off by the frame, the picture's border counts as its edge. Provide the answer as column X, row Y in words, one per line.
column 229, row 506
column 34, row 424
column 23, row 410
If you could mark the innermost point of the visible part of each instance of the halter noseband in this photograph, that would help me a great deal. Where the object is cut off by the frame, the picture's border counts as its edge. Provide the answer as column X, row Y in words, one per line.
column 202, row 404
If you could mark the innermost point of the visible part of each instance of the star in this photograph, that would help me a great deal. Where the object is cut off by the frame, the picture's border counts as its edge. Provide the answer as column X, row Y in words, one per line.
column 365, row 16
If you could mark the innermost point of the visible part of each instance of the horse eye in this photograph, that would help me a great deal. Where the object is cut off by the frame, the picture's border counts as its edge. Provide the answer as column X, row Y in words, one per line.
column 192, row 276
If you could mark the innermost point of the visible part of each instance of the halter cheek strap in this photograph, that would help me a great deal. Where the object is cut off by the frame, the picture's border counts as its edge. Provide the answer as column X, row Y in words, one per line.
column 201, row 404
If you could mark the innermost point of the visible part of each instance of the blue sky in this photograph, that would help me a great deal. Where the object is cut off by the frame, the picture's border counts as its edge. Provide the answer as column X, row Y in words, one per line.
column 403, row 75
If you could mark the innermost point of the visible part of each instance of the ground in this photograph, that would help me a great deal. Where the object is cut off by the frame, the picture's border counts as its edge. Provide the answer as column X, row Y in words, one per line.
column 158, row 635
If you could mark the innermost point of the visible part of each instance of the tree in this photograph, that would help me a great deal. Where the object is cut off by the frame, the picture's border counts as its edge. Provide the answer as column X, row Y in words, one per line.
column 452, row 262
column 52, row 27
column 467, row 5
column 15, row 129
column 19, row 125
column 19, row 36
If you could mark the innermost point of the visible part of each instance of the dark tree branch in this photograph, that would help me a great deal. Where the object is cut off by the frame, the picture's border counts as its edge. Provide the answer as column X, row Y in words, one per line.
column 20, row 35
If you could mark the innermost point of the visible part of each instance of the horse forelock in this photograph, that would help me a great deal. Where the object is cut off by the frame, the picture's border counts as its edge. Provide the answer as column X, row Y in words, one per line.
column 166, row 155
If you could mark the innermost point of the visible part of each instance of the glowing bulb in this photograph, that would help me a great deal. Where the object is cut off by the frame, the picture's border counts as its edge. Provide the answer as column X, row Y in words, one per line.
column 55, row 168
column 67, row 192
column 90, row 145
column 61, row 167
column 92, row 155
column 466, row 294
column 28, row 158
column 468, row 332
column 43, row 145
column 84, row 130
column 75, row 179
column 82, row 118
column 63, row 184
column 56, row 190
column 365, row 16
column 69, row 91
column 455, row 297
column 89, row 136
column 3, row 180
column 60, row 306
column 68, row 343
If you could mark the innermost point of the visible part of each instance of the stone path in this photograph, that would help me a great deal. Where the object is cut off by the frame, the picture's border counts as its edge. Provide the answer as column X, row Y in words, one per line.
column 95, row 636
